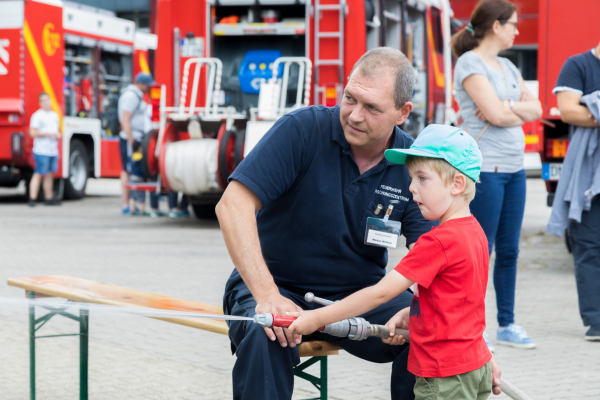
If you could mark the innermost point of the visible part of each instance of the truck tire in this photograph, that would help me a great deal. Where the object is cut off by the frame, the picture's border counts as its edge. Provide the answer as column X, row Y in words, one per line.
column 204, row 211
column 78, row 171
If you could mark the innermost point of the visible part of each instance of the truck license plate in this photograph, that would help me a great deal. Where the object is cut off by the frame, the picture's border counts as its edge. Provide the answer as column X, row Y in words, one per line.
column 551, row 171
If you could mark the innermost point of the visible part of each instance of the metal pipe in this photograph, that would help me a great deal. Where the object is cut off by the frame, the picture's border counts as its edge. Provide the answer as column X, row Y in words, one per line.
column 176, row 59
column 447, row 61
column 31, row 295
column 83, row 353
column 194, row 96
column 310, row 298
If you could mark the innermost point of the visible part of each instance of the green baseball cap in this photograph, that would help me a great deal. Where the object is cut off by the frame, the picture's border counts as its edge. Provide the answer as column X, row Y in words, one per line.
column 447, row 142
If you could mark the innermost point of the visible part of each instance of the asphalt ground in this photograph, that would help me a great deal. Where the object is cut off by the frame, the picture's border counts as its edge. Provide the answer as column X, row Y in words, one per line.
column 133, row 357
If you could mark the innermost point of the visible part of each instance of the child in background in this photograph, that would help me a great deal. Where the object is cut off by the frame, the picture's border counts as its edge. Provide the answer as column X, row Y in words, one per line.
column 448, row 268
column 137, row 176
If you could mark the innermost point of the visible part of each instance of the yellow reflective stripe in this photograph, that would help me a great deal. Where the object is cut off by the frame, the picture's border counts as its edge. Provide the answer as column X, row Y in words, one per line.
column 532, row 139
column 41, row 70
column 440, row 80
column 144, row 63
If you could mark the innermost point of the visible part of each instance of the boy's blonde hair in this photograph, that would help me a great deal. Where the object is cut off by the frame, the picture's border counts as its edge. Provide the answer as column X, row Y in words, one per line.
column 445, row 171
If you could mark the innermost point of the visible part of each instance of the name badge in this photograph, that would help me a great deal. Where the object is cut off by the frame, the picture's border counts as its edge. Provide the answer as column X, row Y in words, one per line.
column 382, row 232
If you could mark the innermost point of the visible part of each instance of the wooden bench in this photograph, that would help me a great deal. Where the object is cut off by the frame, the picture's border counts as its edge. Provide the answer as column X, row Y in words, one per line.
column 83, row 290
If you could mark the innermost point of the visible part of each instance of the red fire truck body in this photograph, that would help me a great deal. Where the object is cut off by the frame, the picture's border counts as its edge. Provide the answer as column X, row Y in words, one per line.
column 82, row 57
column 242, row 40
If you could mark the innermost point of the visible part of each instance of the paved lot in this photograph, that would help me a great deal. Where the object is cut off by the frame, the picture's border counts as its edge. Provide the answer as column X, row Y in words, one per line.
column 138, row 358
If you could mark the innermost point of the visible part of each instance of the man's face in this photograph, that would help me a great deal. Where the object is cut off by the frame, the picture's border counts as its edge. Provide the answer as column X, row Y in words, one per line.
column 45, row 102
column 143, row 87
column 368, row 112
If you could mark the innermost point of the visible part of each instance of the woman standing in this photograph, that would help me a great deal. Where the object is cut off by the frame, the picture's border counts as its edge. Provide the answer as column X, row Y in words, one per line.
column 494, row 104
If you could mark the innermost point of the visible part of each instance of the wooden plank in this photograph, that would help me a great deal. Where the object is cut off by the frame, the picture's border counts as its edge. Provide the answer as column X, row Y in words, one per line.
column 83, row 290
column 315, row 348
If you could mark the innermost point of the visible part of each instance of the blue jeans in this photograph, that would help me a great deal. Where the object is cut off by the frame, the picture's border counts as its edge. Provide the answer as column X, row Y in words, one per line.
column 173, row 200
column 498, row 206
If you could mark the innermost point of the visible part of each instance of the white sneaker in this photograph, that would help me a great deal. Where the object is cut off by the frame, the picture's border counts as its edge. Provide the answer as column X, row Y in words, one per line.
column 514, row 336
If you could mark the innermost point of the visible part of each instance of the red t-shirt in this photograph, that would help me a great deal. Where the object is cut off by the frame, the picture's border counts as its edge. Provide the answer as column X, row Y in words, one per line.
column 447, row 315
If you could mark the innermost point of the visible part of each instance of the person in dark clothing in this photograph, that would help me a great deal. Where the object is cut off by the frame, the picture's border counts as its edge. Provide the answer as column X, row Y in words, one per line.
column 580, row 76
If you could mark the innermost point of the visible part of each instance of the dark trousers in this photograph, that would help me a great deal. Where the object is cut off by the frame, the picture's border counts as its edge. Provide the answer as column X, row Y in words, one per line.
column 499, row 206
column 584, row 239
column 173, row 200
column 264, row 370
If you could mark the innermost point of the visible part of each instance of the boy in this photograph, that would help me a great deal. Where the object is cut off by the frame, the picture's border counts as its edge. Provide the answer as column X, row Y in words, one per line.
column 44, row 129
column 449, row 265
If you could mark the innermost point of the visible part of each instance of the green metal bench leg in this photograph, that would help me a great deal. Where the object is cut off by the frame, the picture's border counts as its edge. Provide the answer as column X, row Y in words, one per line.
column 324, row 378
column 319, row 382
column 31, row 295
column 36, row 324
column 83, row 353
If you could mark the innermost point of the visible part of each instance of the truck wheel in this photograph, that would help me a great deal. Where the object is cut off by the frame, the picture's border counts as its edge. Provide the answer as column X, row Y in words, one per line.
column 78, row 171
column 204, row 211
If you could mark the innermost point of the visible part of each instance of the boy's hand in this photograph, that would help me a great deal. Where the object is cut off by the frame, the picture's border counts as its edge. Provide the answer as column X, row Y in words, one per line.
column 305, row 324
column 496, row 374
column 400, row 320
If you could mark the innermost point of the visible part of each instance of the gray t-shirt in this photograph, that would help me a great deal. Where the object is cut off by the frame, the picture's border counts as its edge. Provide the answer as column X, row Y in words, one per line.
column 502, row 148
column 131, row 100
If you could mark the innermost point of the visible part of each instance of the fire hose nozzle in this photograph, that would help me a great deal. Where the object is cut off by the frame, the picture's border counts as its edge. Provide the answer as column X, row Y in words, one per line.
column 265, row 320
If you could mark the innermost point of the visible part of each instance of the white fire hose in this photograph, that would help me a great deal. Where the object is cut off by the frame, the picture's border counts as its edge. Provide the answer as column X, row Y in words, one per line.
column 191, row 166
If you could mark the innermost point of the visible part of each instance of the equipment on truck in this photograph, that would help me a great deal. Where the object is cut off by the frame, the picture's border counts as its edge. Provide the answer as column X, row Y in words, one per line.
column 83, row 58
column 310, row 50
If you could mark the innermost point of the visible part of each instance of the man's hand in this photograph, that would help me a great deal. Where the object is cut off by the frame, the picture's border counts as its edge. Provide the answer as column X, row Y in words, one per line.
column 57, row 135
column 400, row 320
column 305, row 324
column 496, row 374
column 278, row 305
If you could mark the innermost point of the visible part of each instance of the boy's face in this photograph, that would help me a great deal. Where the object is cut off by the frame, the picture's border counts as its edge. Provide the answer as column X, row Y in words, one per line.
column 430, row 192
column 45, row 102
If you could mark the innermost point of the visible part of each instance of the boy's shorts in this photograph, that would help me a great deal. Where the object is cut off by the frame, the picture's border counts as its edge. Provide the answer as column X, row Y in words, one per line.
column 45, row 164
column 475, row 385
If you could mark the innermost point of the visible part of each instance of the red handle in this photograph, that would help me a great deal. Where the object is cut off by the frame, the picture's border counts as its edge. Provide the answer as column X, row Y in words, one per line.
column 284, row 321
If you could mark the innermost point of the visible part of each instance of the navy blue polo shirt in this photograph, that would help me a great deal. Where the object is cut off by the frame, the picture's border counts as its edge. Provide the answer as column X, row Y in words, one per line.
column 579, row 74
column 316, row 203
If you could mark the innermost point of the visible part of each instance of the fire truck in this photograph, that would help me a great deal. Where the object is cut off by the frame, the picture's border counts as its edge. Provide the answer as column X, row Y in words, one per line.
column 550, row 32
column 230, row 68
column 82, row 57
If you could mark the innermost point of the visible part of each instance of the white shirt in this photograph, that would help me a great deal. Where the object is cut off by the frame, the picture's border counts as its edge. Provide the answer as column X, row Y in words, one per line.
column 45, row 122
column 131, row 100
